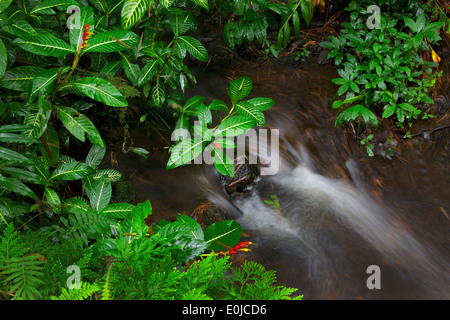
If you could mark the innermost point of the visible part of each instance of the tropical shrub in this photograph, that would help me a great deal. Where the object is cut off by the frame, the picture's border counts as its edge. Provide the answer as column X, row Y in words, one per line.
column 386, row 71
column 64, row 64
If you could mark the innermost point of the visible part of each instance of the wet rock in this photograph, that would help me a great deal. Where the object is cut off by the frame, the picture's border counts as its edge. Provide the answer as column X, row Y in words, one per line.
column 244, row 176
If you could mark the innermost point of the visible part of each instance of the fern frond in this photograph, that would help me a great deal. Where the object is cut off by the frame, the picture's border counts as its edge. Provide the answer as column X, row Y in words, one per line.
column 24, row 276
column 81, row 227
column 85, row 291
column 106, row 291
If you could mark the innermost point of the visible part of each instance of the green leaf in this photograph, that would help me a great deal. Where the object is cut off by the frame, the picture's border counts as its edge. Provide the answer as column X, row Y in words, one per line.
column 72, row 171
column 3, row 59
column 95, row 156
column 21, row 29
column 43, row 83
column 389, row 111
column 196, row 229
column 132, row 11
column 184, row 152
column 193, row 103
column 202, row 3
column 19, row 78
column 181, row 23
column 407, row 107
column 97, row 89
column 244, row 108
column 101, row 193
column 148, row 71
column 48, row 4
column 411, row 23
column 204, row 115
column 132, row 70
column 234, row 126
column 23, row 175
column 100, row 5
column 113, row 175
column 261, row 103
column 14, row 185
column 15, row 138
column 78, row 124
column 239, row 88
column 52, row 198
column 222, row 161
column 222, row 235
column 343, row 89
column 158, row 93
column 194, row 47
column 117, row 210
column 112, row 41
column 218, row 105
column 46, row 45
column 111, row 68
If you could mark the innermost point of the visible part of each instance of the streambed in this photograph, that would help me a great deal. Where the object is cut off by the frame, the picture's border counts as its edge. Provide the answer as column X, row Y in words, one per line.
column 340, row 210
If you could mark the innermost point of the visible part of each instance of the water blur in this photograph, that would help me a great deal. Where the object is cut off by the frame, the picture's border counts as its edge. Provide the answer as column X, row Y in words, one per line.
column 340, row 211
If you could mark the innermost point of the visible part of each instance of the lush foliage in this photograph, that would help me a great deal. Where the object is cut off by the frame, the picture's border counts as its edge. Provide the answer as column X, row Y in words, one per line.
column 385, row 71
column 251, row 19
column 62, row 64
column 240, row 117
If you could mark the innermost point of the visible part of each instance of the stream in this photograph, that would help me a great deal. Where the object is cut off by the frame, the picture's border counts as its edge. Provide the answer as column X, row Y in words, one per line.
column 340, row 210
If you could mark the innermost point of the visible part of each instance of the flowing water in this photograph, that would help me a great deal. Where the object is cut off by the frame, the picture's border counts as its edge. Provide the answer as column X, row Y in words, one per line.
column 340, row 211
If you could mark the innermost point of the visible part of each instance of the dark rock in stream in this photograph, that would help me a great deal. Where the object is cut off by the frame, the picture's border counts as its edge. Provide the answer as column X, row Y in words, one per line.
column 244, row 176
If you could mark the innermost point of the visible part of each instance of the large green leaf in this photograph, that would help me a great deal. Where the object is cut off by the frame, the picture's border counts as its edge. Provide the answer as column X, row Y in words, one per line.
column 4, row 4
column 48, row 4
column 111, row 68
column 184, row 152
column 95, row 155
column 23, row 175
column 245, row 108
column 148, row 71
column 97, row 89
column 45, row 44
column 132, row 11
column 19, row 78
column 14, row 185
column 10, row 155
column 239, row 88
column 112, row 41
column 52, row 199
column 78, row 124
column 72, row 171
column 194, row 47
column 202, row 3
column 100, row 5
column 159, row 93
column 234, row 126
column 9, row 137
column 132, row 70
column 21, row 29
column 117, row 210
column 43, row 83
column 181, row 22
column 262, row 103
column 101, row 193
column 113, row 175
column 3, row 59
column 222, row 235
column 222, row 161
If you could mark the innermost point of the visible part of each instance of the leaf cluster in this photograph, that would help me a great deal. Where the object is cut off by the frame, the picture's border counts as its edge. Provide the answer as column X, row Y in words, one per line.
column 383, row 72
